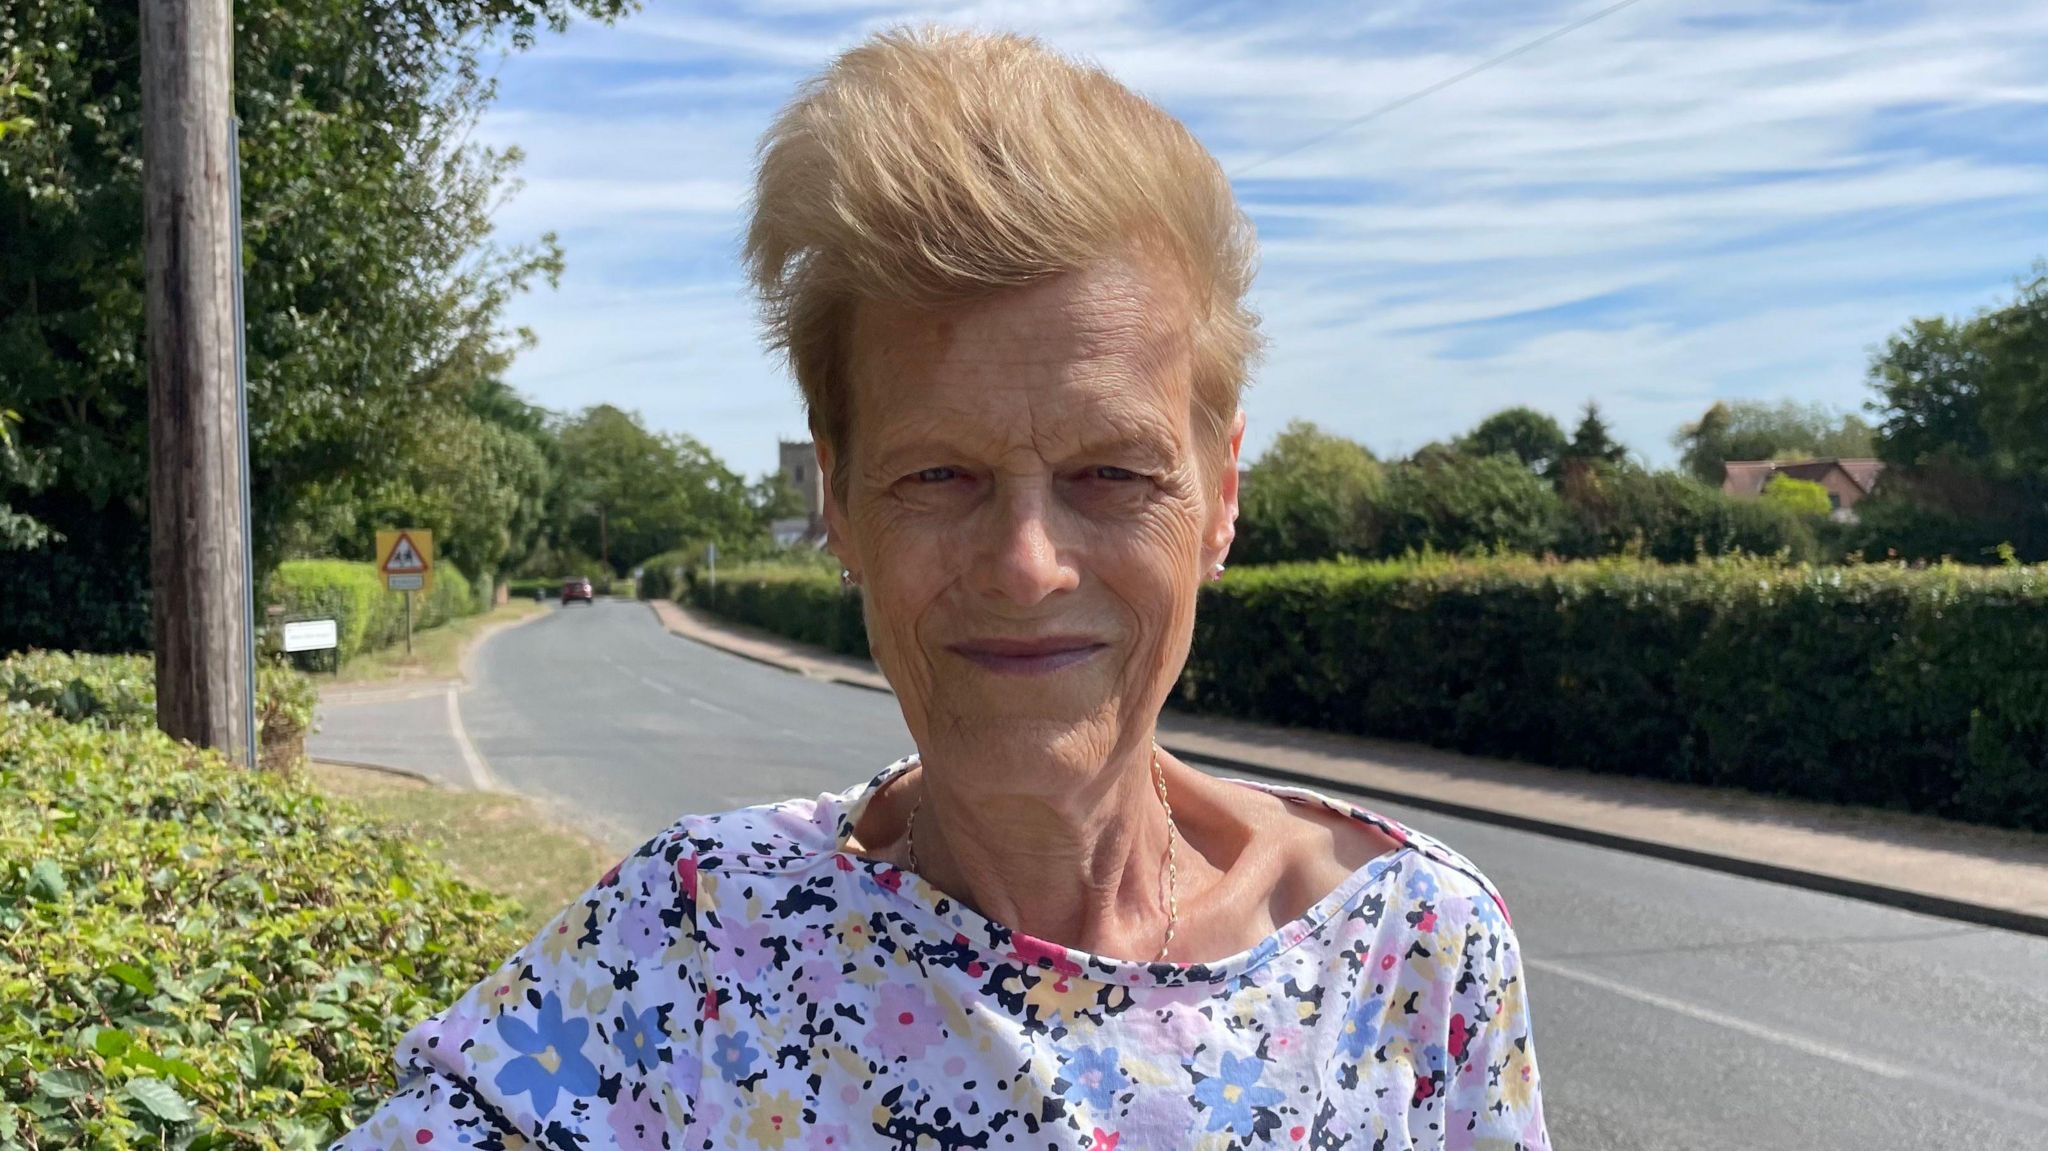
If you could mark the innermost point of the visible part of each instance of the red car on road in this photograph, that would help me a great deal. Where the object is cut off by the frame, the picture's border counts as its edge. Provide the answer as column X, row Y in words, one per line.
column 576, row 589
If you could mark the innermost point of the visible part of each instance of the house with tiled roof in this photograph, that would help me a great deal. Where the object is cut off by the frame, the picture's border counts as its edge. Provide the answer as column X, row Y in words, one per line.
column 1848, row 481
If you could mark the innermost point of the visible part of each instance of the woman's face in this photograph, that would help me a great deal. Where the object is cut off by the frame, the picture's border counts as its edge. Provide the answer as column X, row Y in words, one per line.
column 1032, row 509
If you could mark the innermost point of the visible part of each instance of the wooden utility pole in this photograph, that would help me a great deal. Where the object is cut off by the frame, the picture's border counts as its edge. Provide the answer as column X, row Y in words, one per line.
column 198, row 527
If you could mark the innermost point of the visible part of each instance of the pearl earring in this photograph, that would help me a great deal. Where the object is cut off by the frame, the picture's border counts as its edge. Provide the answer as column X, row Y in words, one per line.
column 1216, row 573
column 847, row 578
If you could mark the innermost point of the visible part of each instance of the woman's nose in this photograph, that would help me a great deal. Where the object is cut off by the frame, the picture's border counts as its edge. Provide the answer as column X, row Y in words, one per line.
column 1024, row 560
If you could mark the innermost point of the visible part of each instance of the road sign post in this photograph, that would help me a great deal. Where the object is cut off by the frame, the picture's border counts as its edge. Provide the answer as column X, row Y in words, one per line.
column 314, row 635
column 405, row 561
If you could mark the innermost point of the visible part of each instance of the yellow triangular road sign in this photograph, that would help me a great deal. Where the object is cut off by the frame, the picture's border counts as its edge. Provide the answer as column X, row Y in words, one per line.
column 404, row 558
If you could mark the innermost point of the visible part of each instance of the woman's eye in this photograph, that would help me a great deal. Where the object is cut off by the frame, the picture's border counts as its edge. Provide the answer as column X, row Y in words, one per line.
column 1114, row 473
column 935, row 475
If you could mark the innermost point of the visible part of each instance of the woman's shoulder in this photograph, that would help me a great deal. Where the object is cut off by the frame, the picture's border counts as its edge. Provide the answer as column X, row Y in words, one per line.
column 1428, row 869
column 1450, row 875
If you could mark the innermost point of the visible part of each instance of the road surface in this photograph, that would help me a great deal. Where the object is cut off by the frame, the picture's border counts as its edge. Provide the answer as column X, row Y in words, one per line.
column 1674, row 1007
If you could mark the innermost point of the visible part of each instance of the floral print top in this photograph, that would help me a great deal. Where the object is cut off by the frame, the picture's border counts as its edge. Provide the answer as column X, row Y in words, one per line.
column 742, row 981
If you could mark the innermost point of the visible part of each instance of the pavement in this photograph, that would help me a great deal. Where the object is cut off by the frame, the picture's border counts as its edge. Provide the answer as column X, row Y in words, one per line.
column 1956, row 871
column 1675, row 1007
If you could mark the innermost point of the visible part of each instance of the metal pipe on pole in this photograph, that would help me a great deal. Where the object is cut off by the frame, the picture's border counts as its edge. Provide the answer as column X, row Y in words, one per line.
column 200, row 573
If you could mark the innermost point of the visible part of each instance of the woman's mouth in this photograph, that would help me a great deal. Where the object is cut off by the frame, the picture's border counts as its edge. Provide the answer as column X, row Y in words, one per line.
column 1039, row 656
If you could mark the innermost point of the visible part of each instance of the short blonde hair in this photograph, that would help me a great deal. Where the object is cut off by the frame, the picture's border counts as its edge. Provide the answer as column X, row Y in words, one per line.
column 932, row 166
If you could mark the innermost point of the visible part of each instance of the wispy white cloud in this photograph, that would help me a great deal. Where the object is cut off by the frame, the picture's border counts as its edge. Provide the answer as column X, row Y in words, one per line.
column 1671, row 205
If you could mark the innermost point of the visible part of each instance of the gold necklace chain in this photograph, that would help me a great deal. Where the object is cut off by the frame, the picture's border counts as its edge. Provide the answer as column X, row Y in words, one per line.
column 1172, row 859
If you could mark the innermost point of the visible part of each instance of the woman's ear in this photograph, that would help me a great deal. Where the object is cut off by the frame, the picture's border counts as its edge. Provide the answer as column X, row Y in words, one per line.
column 836, row 539
column 1223, row 521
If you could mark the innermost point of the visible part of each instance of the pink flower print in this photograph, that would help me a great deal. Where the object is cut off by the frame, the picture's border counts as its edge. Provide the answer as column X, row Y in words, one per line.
column 1032, row 951
column 612, row 876
column 1103, row 1140
column 641, row 928
column 637, row 1123
column 820, row 978
column 1181, row 1031
column 1459, row 1037
column 456, row 1028
column 831, row 1135
column 906, row 1022
column 686, row 874
column 748, row 944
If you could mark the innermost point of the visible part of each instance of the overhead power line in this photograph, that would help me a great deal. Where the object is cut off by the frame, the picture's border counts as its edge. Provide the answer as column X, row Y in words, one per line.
column 1440, row 85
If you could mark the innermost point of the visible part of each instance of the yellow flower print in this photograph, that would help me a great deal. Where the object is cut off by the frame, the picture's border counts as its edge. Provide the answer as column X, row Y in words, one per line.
column 774, row 1120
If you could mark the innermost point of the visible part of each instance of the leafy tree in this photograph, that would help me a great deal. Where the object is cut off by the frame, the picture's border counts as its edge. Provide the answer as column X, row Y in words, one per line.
column 1524, row 433
column 1465, row 504
column 1798, row 497
column 1752, row 430
column 1963, row 423
column 373, row 285
column 1592, row 443
column 19, row 472
column 1309, row 496
column 626, row 493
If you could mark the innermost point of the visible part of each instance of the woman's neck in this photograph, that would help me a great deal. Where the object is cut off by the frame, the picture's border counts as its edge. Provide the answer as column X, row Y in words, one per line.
column 1080, row 865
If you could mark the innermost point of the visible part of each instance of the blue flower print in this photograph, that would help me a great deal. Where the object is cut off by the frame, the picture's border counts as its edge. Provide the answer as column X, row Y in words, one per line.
column 638, row 1035
column 1230, row 1095
column 551, row 1058
column 1093, row 1078
column 1421, row 885
column 1361, row 1028
column 735, row 1057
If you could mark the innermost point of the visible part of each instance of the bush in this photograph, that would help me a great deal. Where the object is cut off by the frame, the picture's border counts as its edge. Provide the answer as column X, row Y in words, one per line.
column 804, row 603
column 367, row 617
column 546, row 587
column 1798, row 497
column 1676, row 519
column 1878, row 685
column 1457, row 504
column 1310, row 496
column 119, row 692
column 451, row 598
column 1894, row 525
column 658, row 582
column 200, row 956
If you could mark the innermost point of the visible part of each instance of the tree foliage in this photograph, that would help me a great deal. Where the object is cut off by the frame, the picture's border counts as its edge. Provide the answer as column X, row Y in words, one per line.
column 1963, row 424
column 1798, row 497
column 1755, row 430
column 1310, row 495
column 1592, row 443
column 374, row 286
column 627, row 494
column 1461, row 504
column 1524, row 433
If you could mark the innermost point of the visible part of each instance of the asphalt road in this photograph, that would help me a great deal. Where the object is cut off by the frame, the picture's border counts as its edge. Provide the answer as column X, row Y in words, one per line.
column 1674, row 1007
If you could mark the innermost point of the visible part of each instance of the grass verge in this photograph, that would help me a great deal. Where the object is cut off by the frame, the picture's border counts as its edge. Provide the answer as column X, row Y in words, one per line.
column 436, row 654
column 506, row 844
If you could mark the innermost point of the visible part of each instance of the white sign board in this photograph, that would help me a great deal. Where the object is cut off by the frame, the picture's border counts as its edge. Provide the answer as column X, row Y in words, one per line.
column 310, row 635
column 410, row 582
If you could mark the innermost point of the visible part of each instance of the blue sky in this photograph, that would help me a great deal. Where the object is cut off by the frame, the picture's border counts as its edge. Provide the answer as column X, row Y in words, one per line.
column 1682, row 202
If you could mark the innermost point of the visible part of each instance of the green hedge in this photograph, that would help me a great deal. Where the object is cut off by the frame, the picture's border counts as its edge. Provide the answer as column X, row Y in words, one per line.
column 525, row 588
column 1880, row 685
column 658, row 583
column 119, row 691
column 803, row 603
column 1919, row 689
column 197, row 956
column 366, row 616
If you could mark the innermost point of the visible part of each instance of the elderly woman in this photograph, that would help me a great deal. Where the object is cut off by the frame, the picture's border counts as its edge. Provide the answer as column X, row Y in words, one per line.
column 1013, row 296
